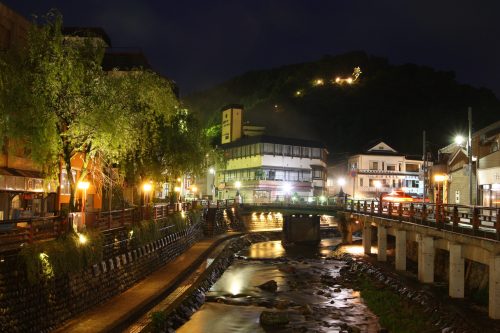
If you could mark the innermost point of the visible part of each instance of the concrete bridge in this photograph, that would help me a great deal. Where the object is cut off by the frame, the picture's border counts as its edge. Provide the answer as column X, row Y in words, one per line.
column 465, row 232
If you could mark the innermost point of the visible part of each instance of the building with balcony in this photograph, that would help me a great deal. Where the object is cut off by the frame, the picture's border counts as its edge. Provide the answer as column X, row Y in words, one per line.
column 264, row 168
column 378, row 169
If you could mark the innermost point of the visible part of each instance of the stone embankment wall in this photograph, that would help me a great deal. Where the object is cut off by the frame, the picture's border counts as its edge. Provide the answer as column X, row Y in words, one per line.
column 256, row 221
column 43, row 307
column 181, row 310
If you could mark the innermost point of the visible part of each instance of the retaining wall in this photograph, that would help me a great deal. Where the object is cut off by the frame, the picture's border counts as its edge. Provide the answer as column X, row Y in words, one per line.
column 44, row 306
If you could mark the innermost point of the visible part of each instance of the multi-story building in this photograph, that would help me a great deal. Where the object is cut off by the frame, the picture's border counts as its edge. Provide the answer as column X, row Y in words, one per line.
column 485, row 172
column 263, row 168
column 379, row 169
column 488, row 165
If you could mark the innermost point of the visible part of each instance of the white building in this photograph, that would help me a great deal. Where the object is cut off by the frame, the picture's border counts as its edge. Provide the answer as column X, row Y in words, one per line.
column 262, row 168
column 379, row 169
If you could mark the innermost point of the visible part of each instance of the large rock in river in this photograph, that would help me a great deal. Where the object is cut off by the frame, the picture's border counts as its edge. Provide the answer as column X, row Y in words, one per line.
column 273, row 319
column 270, row 285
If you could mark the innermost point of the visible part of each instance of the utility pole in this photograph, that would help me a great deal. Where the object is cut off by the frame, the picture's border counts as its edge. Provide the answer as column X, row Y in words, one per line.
column 424, row 158
column 469, row 154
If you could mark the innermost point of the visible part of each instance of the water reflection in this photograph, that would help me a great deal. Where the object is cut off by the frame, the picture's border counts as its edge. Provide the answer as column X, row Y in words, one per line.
column 274, row 250
column 304, row 278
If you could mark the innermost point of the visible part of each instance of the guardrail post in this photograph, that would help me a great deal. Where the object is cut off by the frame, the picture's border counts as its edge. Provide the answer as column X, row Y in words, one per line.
column 455, row 217
column 372, row 207
column 365, row 208
column 424, row 213
column 358, row 206
column 389, row 209
column 400, row 209
column 412, row 211
column 475, row 218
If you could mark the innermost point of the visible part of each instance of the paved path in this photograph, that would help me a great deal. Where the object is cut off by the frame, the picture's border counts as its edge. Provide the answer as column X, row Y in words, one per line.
column 117, row 312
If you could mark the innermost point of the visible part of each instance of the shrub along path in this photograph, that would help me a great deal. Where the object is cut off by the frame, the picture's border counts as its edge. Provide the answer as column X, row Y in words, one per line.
column 121, row 310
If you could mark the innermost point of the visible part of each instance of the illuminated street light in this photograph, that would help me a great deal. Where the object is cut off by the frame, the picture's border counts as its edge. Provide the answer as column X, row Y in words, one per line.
column 147, row 187
column 287, row 188
column 211, row 171
column 439, row 199
column 377, row 185
column 341, row 182
column 319, row 82
column 237, row 184
column 349, row 80
column 459, row 140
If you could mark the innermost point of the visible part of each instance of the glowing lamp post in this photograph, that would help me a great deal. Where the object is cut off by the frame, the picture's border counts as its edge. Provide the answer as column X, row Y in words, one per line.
column 287, row 190
column 439, row 199
column 237, row 185
column 177, row 190
column 146, row 189
column 83, row 185
column 377, row 185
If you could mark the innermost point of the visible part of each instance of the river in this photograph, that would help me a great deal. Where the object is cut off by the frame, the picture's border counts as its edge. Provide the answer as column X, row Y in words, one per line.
column 306, row 293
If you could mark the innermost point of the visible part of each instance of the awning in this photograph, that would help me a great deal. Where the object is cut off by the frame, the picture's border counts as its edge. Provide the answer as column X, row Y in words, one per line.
column 20, row 173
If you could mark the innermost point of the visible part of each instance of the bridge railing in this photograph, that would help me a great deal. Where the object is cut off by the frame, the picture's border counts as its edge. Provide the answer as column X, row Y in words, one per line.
column 460, row 218
column 13, row 233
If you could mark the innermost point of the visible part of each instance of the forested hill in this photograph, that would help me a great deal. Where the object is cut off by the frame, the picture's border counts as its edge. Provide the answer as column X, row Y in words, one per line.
column 395, row 103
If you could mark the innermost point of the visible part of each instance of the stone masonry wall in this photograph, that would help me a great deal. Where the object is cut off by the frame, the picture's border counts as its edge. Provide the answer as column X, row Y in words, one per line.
column 43, row 307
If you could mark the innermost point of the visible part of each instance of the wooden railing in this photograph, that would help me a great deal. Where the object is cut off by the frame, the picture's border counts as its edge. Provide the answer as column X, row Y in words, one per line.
column 473, row 220
column 14, row 233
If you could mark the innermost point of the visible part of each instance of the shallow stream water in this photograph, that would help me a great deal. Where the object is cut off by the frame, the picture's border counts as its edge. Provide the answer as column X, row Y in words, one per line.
column 306, row 292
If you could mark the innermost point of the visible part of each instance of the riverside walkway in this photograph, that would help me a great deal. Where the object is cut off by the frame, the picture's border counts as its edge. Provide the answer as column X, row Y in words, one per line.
column 118, row 312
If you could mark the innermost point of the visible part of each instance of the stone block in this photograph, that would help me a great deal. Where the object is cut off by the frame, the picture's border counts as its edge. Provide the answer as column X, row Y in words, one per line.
column 130, row 258
column 124, row 259
column 111, row 264
column 95, row 270
column 103, row 267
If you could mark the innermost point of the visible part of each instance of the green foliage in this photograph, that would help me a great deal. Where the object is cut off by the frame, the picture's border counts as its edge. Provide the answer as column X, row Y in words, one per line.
column 56, row 100
column 59, row 257
column 148, row 231
column 394, row 313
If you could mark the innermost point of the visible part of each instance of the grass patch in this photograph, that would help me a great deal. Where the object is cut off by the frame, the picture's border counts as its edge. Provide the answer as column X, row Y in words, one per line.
column 395, row 313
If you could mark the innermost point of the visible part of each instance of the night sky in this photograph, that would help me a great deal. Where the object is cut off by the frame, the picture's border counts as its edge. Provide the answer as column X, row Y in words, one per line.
column 202, row 43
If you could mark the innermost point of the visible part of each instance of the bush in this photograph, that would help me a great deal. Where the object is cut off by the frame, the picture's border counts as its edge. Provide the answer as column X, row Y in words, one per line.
column 59, row 257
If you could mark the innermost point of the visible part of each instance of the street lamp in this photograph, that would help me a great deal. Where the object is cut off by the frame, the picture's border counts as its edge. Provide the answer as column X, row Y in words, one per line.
column 146, row 188
column 212, row 172
column 83, row 185
column 194, row 189
column 439, row 199
column 237, row 185
column 377, row 185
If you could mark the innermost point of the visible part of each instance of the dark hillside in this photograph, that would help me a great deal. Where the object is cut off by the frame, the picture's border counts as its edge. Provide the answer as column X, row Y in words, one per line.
column 391, row 102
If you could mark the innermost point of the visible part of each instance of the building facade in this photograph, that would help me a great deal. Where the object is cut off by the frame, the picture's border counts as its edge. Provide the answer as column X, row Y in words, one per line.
column 379, row 169
column 263, row 168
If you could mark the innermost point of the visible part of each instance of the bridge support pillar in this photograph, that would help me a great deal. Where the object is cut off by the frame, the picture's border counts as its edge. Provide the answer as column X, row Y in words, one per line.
column 494, row 289
column 401, row 250
column 382, row 243
column 367, row 235
column 457, row 272
column 426, row 253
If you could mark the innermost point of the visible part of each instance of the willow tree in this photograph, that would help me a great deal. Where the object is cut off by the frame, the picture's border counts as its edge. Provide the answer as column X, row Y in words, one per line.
column 170, row 141
column 61, row 104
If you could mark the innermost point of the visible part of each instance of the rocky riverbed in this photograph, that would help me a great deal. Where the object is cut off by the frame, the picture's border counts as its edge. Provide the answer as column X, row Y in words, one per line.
column 269, row 289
